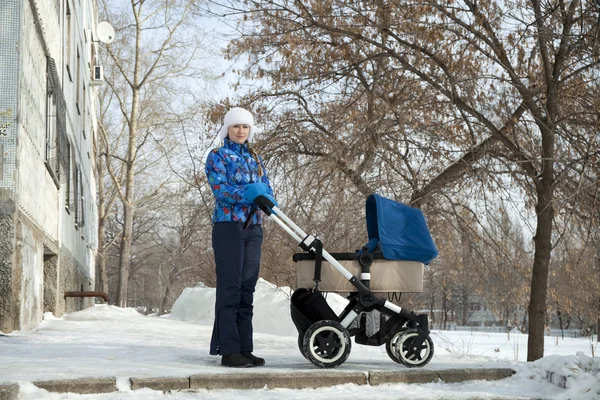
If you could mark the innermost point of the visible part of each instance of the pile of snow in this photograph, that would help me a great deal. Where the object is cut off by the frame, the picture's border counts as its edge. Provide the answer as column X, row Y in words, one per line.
column 579, row 374
column 103, row 312
column 271, row 307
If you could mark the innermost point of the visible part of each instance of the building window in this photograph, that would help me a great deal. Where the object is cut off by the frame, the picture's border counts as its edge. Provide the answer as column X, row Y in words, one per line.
column 475, row 306
column 68, row 40
column 83, row 111
column 78, row 83
column 56, row 157
column 51, row 158
column 75, row 200
column 68, row 176
column 81, row 219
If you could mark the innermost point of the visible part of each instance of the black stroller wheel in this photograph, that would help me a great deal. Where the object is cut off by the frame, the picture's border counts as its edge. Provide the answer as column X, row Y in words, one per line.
column 301, row 346
column 390, row 346
column 327, row 344
column 400, row 349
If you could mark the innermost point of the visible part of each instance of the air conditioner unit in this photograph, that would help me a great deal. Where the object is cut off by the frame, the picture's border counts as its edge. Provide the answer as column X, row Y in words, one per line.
column 97, row 75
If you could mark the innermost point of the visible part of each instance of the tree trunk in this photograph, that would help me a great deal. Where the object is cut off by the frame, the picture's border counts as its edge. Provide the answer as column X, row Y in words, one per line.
column 539, row 279
column 165, row 299
column 101, row 259
column 525, row 324
column 432, row 309
column 444, row 306
column 598, row 313
column 128, row 209
column 598, row 324
column 432, row 298
column 465, row 306
column 560, row 320
column 125, row 256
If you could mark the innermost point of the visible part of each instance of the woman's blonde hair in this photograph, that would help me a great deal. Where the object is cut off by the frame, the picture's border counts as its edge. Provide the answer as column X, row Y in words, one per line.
column 255, row 156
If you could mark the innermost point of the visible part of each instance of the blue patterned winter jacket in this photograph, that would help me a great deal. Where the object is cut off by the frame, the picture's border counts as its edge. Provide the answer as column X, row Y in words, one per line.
column 229, row 169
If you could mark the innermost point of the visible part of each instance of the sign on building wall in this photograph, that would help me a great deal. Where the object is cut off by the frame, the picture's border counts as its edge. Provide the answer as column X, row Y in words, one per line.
column 10, row 19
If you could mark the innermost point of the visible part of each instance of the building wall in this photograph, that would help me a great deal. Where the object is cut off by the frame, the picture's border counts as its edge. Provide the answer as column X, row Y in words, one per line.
column 46, row 246
column 38, row 196
column 481, row 313
column 29, row 255
column 8, row 278
column 10, row 21
column 80, row 241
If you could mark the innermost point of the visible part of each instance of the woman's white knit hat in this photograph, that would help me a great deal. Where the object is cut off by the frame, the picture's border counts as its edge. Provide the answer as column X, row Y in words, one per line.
column 237, row 115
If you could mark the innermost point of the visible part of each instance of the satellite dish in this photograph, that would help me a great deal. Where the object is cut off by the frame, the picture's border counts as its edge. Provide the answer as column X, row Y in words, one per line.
column 105, row 32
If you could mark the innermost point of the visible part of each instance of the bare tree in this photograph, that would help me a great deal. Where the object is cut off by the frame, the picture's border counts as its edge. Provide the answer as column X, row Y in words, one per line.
column 106, row 199
column 152, row 61
column 182, row 229
column 425, row 91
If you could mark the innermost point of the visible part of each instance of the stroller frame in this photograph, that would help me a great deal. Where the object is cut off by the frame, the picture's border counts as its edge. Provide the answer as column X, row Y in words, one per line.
column 324, row 339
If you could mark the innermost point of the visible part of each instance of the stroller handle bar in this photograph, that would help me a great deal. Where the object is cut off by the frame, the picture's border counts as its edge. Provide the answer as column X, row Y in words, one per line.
column 308, row 239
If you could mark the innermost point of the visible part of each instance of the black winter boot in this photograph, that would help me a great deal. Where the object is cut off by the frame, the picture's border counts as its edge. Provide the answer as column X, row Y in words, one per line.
column 256, row 361
column 236, row 360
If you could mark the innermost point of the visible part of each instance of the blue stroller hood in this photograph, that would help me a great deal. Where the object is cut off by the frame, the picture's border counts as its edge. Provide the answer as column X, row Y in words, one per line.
column 401, row 230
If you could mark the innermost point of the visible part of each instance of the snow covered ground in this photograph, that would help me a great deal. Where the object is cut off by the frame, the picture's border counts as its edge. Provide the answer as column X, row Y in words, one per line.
column 110, row 341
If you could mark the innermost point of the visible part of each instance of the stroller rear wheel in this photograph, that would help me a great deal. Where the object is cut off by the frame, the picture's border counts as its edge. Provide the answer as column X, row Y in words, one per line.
column 400, row 349
column 327, row 344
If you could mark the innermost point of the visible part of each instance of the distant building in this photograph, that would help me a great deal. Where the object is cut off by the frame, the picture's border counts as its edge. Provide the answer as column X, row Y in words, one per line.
column 480, row 314
column 476, row 312
column 48, row 232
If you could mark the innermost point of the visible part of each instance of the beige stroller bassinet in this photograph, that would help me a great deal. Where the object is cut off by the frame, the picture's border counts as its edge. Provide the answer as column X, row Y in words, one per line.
column 386, row 276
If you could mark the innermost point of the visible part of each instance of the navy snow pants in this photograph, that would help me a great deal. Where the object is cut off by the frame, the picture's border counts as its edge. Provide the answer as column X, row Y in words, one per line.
column 237, row 255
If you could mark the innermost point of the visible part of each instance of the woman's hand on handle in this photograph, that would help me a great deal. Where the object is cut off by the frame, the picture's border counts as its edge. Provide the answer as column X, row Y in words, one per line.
column 253, row 190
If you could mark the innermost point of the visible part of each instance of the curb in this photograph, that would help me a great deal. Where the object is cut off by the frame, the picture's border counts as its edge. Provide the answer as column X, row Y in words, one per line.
column 164, row 384
column 9, row 392
column 81, row 385
column 244, row 381
column 446, row 376
column 297, row 380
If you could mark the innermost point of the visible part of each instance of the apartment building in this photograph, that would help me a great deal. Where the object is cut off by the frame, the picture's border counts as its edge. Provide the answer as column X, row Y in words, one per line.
column 48, row 96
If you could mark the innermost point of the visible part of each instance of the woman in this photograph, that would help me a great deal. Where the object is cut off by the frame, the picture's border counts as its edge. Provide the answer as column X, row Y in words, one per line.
column 237, row 176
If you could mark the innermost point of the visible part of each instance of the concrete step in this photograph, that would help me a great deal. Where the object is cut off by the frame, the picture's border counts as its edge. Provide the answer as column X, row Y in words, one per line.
column 81, row 385
column 9, row 392
column 255, row 380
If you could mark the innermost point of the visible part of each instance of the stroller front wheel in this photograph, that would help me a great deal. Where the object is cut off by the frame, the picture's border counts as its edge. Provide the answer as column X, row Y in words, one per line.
column 327, row 344
column 401, row 349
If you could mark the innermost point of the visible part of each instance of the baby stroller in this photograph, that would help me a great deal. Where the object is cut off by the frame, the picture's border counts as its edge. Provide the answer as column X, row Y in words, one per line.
column 392, row 261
